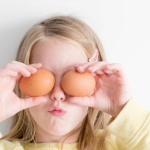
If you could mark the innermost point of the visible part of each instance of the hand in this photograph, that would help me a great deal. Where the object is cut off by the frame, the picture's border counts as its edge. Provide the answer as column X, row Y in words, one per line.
column 10, row 103
column 112, row 90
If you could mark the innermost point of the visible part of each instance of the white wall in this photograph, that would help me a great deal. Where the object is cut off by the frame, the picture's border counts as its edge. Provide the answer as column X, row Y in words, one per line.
column 122, row 26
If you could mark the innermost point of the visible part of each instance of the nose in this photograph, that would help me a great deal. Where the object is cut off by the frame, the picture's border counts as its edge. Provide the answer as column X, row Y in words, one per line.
column 57, row 94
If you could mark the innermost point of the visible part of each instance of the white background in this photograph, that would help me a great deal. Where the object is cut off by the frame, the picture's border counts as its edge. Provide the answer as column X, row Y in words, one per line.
column 123, row 26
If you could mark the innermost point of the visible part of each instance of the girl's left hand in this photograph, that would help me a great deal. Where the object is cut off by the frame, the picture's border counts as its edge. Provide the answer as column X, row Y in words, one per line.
column 112, row 90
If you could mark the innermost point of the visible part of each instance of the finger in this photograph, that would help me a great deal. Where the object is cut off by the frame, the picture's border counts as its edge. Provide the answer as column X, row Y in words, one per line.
column 7, row 72
column 94, row 67
column 31, row 68
column 94, row 74
column 84, row 101
column 31, row 101
column 37, row 65
column 82, row 67
column 106, row 71
column 115, row 68
column 18, row 68
column 100, row 72
column 24, row 65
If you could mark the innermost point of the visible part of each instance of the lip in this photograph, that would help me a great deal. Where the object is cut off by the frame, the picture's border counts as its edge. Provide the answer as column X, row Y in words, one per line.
column 56, row 108
column 57, row 113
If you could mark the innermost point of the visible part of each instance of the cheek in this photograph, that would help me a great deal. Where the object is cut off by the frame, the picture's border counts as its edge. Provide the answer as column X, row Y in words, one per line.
column 72, row 119
column 80, row 113
column 35, row 112
column 38, row 110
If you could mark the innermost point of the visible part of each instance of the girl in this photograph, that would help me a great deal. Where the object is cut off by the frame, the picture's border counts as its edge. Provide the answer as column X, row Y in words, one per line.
column 59, row 44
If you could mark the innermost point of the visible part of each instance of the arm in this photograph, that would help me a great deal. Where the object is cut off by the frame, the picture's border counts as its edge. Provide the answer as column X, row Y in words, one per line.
column 131, row 127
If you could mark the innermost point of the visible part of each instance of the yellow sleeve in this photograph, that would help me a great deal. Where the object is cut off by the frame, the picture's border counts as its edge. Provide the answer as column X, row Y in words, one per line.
column 7, row 145
column 131, row 128
column 1, row 135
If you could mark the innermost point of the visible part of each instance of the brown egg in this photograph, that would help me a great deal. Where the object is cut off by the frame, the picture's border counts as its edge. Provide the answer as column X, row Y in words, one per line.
column 78, row 84
column 37, row 84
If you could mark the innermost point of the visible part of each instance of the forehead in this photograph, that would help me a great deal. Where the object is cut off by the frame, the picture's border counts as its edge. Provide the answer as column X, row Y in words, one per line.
column 57, row 53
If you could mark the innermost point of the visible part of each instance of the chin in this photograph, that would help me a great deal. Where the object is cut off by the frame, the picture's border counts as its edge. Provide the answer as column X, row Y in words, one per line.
column 58, row 131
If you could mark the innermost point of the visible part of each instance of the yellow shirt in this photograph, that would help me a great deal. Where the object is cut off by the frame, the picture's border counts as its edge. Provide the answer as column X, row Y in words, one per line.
column 130, row 130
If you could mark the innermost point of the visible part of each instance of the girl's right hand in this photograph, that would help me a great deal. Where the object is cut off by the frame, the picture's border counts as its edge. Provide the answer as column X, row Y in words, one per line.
column 10, row 103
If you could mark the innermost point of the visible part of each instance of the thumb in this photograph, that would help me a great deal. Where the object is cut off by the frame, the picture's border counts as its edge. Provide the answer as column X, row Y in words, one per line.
column 84, row 101
column 31, row 101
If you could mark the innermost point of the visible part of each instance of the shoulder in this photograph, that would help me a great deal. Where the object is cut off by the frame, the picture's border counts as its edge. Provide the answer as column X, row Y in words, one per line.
column 8, row 145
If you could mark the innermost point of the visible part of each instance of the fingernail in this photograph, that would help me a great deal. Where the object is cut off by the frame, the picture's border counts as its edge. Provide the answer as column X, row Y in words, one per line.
column 34, row 69
column 105, row 66
column 15, row 73
column 89, row 68
column 76, row 65
column 28, row 74
column 80, row 67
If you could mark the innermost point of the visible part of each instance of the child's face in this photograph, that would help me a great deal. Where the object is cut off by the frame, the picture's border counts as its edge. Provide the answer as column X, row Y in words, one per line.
column 58, row 57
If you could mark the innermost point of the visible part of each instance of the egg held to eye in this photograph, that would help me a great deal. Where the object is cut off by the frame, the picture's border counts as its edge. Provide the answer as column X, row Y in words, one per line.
column 78, row 84
column 37, row 84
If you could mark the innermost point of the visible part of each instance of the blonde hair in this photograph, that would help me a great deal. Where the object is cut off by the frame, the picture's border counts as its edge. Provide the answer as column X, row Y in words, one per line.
column 77, row 32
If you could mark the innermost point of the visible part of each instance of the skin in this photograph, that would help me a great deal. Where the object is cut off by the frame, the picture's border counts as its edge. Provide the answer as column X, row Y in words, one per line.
column 112, row 91
column 58, row 57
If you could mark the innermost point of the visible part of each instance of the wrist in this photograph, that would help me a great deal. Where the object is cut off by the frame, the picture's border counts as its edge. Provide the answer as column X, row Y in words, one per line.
column 119, row 110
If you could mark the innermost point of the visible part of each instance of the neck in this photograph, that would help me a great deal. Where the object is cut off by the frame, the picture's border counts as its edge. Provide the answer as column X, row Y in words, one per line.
column 44, row 137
